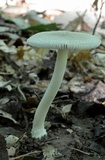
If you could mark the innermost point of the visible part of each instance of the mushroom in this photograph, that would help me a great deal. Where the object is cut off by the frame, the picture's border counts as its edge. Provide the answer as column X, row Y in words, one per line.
column 64, row 42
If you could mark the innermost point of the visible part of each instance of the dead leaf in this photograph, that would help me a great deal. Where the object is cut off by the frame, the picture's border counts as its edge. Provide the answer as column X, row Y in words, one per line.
column 7, row 115
column 11, row 151
column 34, row 19
column 49, row 152
column 3, row 83
column 66, row 110
column 4, row 100
column 11, row 140
column 4, row 29
column 6, row 49
column 20, row 22
column 98, row 92
column 73, row 25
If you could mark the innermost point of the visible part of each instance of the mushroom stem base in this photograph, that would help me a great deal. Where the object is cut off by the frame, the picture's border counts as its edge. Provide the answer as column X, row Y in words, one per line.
column 38, row 133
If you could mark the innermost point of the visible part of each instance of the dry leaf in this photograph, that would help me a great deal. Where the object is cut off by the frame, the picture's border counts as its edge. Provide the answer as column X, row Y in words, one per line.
column 11, row 140
column 7, row 115
column 66, row 110
column 49, row 152
column 6, row 49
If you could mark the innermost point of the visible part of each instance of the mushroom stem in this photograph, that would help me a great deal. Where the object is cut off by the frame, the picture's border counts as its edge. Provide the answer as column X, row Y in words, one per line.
column 38, row 129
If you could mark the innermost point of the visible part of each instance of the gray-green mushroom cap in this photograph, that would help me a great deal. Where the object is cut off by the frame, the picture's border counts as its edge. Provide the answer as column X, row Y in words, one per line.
column 64, row 40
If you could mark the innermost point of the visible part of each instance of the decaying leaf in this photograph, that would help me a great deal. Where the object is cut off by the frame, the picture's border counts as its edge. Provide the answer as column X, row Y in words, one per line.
column 4, row 29
column 35, row 19
column 11, row 151
column 69, row 130
column 4, row 100
column 7, row 115
column 76, row 84
column 99, row 59
column 11, row 140
column 66, row 110
column 5, row 48
column 9, row 69
column 50, row 152
column 88, row 91
column 76, row 23
column 20, row 22
column 28, row 53
column 79, row 58
column 98, row 92
column 3, row 83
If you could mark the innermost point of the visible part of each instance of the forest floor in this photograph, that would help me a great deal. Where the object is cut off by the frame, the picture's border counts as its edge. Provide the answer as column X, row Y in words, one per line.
column 75, row 122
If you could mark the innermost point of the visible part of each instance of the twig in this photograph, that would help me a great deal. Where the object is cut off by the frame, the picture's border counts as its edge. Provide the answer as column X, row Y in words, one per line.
column 86, row 153
column 94, row 30
column 25, row 155
column 21, row 93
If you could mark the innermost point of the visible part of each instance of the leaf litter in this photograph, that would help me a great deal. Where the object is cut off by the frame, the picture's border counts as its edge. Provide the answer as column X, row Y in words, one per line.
column 76, row 120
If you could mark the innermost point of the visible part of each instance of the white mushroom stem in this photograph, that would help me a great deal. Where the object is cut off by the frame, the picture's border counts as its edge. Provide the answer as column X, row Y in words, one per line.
column 38, row 129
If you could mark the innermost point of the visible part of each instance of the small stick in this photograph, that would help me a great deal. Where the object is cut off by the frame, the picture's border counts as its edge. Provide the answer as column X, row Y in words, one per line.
column 25, row 155
column 94, row 30
column 86, row 153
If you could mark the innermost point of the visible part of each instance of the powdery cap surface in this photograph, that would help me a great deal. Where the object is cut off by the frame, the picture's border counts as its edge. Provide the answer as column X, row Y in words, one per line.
column 64, row 40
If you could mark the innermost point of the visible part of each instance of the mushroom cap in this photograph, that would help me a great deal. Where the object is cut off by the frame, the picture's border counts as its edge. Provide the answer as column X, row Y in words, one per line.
column 64, row 40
